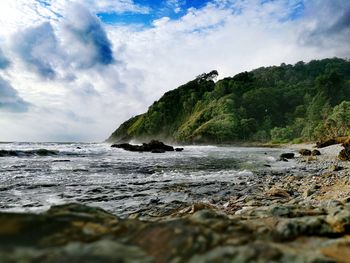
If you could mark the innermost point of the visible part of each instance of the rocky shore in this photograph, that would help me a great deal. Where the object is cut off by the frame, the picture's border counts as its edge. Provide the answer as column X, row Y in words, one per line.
column 301, row 216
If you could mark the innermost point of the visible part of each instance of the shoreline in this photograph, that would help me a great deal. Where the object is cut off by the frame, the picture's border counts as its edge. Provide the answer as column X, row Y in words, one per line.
column 297, row 216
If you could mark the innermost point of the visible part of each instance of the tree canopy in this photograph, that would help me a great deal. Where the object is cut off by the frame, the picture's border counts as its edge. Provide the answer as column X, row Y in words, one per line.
column 282, row 103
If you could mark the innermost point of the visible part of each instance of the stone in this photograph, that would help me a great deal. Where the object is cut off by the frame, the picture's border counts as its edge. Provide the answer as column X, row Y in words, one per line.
column 287, row 156
column 153, row 146
column 305, row 152
column 278, row 192
column 158, row 151
column 335, row 168
column 315, row 152
column 344, row 154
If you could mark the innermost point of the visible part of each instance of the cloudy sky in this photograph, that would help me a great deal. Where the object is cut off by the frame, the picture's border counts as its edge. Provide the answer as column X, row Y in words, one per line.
column 73, row 70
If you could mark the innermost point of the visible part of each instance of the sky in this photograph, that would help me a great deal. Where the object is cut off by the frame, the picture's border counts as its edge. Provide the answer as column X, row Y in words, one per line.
column 73, row 70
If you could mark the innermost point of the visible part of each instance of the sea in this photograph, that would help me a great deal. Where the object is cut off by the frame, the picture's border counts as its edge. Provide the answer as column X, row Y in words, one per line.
column 122, row 182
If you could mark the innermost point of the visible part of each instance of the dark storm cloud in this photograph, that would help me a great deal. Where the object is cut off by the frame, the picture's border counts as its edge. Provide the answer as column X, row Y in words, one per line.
column 37, row 47
column 9, row 98
column 342, row 24
column 331, row 24
column 4, row 62
column 77, row 41
column 86, row 30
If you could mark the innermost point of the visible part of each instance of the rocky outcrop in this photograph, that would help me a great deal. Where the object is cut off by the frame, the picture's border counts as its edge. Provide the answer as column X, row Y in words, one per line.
column 287, row 156
column 305, row 152
column 344, row 154
column 315, row 152
column 19, row 153
column 77, row 233
column 332, row 141
column 153, row 146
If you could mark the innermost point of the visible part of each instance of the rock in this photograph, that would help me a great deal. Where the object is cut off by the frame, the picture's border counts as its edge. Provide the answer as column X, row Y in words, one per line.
column 6, row 153
column 311, row 158
column 158, row 151
column 340, row 220
column 292, row 228
column 339, row 251
column 153, row 146
column 329, row 142
column 287, row 156
column 346, row 143
column 45, row 152
column 305, row 152
column 308, row 192
column 344, row 154
column 278, row 192
column 179, row 149
column 39, row 152
column 336, row 168
column 315, row 152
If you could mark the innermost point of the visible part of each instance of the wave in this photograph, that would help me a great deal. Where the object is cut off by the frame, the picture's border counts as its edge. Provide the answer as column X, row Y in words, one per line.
column 22, row 153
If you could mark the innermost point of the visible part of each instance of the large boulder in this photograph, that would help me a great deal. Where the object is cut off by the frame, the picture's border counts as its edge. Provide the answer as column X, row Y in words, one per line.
column 305, row 152
column 344, row 154
column 287, row 156
column 153, row 146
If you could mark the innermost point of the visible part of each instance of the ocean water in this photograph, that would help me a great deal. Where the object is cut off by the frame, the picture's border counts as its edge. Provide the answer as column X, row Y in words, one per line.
column 126, row 182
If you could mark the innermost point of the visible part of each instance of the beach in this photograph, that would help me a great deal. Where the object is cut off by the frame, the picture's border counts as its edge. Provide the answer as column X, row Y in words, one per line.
column 292, row 215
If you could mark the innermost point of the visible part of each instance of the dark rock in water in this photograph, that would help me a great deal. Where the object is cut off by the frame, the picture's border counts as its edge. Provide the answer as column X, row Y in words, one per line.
column 315, row 152
column 305, row 152
column 179, row 149
column 344, row 154
column 336, row 168
column 197, row 233
column 45, row 152
column 287, row 156
column 5, row 153
column 158, row 151
column 39, row 152
column 153, row 146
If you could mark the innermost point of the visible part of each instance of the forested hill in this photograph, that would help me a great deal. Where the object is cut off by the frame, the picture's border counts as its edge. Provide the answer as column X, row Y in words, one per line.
column 283, row 103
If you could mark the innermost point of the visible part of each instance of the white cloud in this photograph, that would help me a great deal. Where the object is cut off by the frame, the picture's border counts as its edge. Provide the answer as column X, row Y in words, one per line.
column 87, row 98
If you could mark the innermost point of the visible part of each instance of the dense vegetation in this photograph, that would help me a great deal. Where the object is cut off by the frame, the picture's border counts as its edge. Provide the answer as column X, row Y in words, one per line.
column 283, row 103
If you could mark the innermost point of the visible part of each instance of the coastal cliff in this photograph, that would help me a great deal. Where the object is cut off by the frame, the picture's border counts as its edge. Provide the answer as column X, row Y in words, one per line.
column 300, row 102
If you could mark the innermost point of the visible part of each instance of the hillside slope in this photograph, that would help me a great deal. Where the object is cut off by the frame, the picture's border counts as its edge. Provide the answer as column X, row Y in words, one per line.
column 280, row 103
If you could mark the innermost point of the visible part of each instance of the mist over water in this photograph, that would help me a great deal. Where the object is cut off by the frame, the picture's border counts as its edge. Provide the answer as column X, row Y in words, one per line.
column 126, row 182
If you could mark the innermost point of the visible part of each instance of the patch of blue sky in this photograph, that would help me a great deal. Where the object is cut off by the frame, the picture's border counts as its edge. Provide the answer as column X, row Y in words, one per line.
column 44, row 3
column 174, row 9
column 295, row 8
column 126, row 18
column 296, row 11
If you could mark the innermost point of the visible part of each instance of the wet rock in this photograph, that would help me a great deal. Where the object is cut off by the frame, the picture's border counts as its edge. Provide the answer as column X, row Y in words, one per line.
column 328, row 142
column 259, row 251
column 158, row 151
column 344, row 154
column 287, row 156
column 153, row 146
column 305, row 152
column 39, row 152
column 335, row 168
column 340, row 220
column 315, row 152
column 278, row 192
column 306, row 226
column 179, row 149
column 339, row 251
